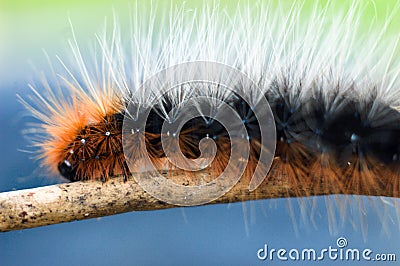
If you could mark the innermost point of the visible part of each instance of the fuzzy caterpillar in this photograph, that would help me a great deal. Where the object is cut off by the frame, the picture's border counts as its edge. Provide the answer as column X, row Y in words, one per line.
column 334, row 102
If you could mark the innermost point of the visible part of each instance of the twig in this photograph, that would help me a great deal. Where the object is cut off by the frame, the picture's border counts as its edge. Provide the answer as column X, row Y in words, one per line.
column 55, row 204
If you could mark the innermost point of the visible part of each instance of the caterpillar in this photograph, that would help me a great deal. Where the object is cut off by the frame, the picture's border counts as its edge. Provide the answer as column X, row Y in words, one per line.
column 331, row 89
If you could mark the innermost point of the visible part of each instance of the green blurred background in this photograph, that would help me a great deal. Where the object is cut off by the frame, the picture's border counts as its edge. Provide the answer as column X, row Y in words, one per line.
column 27, row 27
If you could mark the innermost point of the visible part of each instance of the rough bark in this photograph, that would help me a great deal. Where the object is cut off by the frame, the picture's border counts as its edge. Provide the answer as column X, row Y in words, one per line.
column 60, row 203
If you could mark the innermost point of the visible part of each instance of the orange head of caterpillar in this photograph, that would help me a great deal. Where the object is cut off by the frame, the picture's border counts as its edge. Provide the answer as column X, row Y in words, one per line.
column 96, row 151
column 82, row 138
